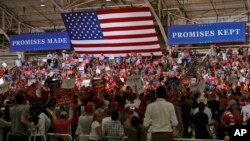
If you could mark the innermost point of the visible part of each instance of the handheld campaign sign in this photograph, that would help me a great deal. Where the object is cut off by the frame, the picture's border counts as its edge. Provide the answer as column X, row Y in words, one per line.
column 4, row 88
column 135, row 83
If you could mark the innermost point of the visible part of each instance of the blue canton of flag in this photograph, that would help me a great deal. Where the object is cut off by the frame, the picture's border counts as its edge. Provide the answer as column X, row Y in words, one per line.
column 83, row 26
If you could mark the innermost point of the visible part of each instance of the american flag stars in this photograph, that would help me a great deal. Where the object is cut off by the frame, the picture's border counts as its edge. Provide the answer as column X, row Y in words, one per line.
column 83, row 26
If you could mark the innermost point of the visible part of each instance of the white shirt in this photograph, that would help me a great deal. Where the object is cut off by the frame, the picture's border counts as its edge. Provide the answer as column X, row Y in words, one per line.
column 245, row 111
column 44, row 124
column 206, row 111
column 49, row 56
column 93, row 134
column 224, row 56
column 104, row 120
column 65, row 56
column 135, row 104
column 55, row 56
column 160, row 116
column 84, row 122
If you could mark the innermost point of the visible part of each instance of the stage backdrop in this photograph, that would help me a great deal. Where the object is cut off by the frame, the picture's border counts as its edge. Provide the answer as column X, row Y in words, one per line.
column 206, row 33
column 40, row 42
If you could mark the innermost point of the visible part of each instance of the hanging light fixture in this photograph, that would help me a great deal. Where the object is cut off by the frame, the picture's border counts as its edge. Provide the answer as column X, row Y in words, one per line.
column 42, row 3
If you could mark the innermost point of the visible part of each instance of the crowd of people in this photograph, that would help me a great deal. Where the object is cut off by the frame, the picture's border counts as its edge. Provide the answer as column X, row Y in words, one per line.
column 171, row 104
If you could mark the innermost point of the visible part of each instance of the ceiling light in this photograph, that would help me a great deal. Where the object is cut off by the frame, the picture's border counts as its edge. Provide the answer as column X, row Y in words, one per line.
column 108, row 0
column 42, row 3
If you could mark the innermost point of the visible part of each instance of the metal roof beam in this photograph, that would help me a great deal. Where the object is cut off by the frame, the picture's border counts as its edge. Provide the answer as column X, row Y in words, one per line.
column 49, row 20
column 79, row 4
column 182, row 10
column 72, row 4
column 216, row 12
column 57, row 5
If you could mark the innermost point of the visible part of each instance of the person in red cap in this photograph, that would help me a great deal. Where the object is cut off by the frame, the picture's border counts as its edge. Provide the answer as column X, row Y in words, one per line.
column 63, row 122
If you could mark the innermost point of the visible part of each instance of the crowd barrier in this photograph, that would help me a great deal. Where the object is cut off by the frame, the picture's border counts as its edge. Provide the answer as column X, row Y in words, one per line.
column 125, row 138
column 85, row 138
column 185, row 139
column 37, row 137
column 53, row 137
column 8, row 136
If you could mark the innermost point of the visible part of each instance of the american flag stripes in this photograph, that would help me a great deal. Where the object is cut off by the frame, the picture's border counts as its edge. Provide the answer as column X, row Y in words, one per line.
column 113, row 32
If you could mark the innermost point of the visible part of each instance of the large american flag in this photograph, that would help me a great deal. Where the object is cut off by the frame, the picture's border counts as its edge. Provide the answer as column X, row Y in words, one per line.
column 113, row 32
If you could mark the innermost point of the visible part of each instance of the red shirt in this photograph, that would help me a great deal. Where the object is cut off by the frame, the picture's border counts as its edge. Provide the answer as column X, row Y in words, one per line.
column 75, row 114
column 62, row 125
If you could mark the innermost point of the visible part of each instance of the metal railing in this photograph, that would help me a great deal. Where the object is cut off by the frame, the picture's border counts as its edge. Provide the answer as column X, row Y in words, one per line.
column 55, row 136
column 86, row 137
column 8, row 136
column 67, row 137
column 36, row 137
column 185, row 139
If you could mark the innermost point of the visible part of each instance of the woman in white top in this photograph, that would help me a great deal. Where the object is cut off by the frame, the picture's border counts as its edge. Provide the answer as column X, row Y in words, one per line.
column 84, row 122
column 95, row 131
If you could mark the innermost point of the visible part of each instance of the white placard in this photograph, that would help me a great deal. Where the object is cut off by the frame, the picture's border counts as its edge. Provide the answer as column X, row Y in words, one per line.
column 193, row 80
column 81, row 68
column 31, row 81
column 18, row 63
column 4, row 64
column 135, row 83
column 86, row 83
column 80, row 59
column 101, row 58
column 122, row 79
column 43, row 82
column 63, row 64
column 44, row 60
column 51, row 74
column 98, row 71
column 112, row 57
column 107, row 68
column 1, row 81
column 242, row 79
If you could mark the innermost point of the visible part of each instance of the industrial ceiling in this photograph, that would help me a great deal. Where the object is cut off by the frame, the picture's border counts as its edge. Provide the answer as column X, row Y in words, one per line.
column 26, row 16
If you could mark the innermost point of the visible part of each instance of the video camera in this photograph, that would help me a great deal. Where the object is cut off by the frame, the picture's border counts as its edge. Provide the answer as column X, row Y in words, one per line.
column 5, row 110
column 35, row 110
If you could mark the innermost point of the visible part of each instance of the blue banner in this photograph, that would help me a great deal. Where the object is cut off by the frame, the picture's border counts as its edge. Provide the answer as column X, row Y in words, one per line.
column 207, row 33
column 40, row 42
